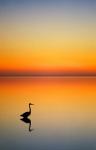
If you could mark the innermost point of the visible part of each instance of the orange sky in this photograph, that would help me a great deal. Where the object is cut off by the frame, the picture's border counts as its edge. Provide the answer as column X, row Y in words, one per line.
column 45, row 38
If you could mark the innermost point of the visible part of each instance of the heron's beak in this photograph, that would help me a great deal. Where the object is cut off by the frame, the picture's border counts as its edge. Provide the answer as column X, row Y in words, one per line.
column 32, row 104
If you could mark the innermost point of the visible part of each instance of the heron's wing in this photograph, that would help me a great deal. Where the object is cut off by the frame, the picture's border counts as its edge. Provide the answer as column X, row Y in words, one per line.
column 24, row 114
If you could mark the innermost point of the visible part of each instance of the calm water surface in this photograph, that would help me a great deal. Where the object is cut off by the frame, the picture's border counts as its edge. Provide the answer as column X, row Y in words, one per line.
column 63, row 117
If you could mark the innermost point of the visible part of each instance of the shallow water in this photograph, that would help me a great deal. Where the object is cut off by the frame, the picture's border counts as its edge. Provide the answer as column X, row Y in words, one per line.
column 63, row 117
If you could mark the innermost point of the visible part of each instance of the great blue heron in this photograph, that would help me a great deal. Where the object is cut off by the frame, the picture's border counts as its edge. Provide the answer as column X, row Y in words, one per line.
column 26, row 114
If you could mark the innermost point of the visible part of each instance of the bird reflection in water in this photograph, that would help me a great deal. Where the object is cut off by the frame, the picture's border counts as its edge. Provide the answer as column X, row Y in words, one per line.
column 26, row 119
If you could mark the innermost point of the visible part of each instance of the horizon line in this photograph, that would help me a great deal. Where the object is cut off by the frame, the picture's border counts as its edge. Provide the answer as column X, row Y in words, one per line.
column 48, row 75
column 43, row 73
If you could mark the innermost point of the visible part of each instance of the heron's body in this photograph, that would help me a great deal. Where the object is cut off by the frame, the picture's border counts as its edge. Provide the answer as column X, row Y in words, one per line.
column 26, row 114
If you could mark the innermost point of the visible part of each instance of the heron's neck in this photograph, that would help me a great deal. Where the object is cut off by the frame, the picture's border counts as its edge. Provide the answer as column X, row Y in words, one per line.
column 29, row 108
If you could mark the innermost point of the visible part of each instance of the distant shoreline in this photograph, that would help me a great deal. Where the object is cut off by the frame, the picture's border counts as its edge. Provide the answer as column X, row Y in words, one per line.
column 49, row 76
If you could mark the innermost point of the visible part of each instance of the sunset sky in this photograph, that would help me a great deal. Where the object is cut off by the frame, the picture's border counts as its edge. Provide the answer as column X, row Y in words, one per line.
column 48, row 36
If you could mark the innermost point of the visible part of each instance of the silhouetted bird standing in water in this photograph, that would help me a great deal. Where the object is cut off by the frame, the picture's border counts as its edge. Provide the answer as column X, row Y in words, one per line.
column 26, row 114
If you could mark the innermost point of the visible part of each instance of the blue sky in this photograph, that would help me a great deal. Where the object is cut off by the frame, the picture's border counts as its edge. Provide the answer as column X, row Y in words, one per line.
column 66, row 2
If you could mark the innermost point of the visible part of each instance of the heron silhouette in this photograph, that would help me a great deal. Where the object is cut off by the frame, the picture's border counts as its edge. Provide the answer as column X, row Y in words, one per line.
column 27, row 120
column 26, row 114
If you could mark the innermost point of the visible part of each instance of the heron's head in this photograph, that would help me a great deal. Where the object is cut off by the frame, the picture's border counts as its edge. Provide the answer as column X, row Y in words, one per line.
column 31, row 104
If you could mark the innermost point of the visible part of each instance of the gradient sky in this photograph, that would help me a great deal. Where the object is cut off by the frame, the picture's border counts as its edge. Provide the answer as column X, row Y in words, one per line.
column 48, row 36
